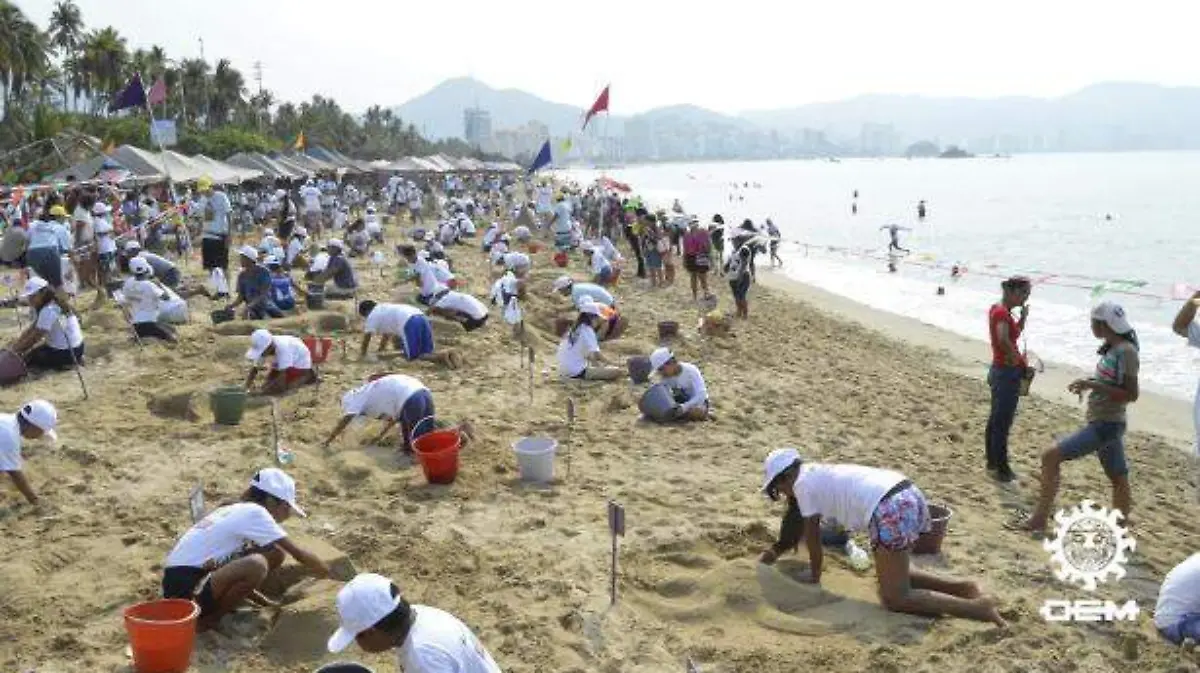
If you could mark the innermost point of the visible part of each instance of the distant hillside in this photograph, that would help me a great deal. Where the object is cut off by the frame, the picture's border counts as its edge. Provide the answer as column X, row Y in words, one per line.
column 439, row 111
column 1104, row 116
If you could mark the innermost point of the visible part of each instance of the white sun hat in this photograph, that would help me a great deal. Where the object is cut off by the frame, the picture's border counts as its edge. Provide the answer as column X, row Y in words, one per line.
column 361, row 604
column 276, row 482
column 777, row 461
column 260, row 341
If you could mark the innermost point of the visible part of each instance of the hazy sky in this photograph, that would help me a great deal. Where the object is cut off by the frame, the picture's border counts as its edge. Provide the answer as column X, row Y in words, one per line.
column 727, row 56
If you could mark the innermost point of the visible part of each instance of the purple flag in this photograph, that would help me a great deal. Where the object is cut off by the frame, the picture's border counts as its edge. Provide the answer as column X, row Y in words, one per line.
column 133, row 95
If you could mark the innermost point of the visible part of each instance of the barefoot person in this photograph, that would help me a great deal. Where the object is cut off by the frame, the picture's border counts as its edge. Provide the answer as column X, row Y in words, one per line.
column 686, row 384
column 396, row 399
column 404, row 326
column 890, row 508
column 292, row 367
column 1110, row 391
column 54, row 340
column 697, row 257
column 427, row 640
column 1004, row 377
column 36, row 419
column 1177, row 613
column 459, row 307
column 222, row 560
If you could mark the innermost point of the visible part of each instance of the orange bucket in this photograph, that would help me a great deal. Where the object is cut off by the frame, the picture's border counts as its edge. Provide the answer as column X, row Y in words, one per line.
column 438, row 453
column 318, row 347
column 161, row 635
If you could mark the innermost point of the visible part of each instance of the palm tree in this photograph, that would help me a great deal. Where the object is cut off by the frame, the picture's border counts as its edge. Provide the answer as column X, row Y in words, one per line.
column 193, row 83
column 66, row 36
column 107, row 62
column 228, row 90
column 23, row 54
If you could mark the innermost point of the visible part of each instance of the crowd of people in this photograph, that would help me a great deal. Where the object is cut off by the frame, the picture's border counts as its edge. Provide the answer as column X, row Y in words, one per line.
column 222, row 562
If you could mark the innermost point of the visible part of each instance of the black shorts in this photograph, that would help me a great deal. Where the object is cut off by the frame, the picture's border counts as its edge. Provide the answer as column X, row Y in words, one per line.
column 190, row 584
column 472, row 324
column 58, row 359
column 154, row 330
column 214, row 253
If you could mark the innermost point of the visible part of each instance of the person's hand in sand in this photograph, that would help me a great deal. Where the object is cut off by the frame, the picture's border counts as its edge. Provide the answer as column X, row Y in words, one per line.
column 210, row 564
column 891, row 509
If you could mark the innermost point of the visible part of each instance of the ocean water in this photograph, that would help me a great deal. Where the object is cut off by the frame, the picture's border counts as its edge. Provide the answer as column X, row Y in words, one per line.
column 1085, row 227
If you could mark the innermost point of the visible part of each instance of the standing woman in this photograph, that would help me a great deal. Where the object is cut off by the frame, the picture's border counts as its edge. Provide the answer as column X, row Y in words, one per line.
column 652, row 250
column 49, row 240
column 1004, row 377
column 697, row 256
column 1110, row 390
column 737, row 272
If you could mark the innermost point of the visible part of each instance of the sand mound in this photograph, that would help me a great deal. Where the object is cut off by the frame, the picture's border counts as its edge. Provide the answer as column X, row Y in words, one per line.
column 331, row 322
column 177, row 403
column 106, row 319
column 236, row 328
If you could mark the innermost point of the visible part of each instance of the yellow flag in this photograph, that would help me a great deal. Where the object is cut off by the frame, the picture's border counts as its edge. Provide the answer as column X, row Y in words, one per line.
column 299, row 146
column 566, row 145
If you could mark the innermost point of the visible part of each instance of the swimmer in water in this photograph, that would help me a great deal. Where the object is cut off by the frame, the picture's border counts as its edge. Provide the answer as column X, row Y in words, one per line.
column 854, row 208
column 894, row 232
column 921, row 210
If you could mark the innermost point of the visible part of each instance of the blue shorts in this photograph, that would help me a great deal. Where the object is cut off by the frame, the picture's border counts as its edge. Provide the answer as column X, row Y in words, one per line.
column 416, row 417
column 418, row 337
column 605, row 276
column 899, row 519
column 1188, row 626
column 1106, row 439
column 654, row 259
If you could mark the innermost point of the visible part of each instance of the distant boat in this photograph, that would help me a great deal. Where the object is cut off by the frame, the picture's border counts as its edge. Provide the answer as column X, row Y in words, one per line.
column 834, row 160
column 953, row 152
column 1001, row 156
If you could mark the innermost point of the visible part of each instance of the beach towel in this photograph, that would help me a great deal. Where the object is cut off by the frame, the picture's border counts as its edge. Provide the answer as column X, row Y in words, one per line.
column 418, row 337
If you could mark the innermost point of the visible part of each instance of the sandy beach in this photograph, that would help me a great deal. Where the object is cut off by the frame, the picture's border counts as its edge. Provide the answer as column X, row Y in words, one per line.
column 527, row 567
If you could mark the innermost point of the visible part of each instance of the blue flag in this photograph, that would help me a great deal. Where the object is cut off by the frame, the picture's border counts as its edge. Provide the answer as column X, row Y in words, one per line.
column 133, row 95
column 542, row 159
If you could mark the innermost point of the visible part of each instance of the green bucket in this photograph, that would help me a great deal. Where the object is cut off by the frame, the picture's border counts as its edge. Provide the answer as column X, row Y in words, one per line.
column 227, row 404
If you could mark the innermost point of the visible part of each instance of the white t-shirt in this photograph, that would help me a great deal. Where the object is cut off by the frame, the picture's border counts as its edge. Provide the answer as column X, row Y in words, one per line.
column 224, row 533
column 426, row 272
column 104, row 234
column 295, row 247
column 142, row 296
column 600, row 263
column 466, row 226
column 573, row 357
column 691, row 382
column 312, row 199
column 516, row 260
column 1193, row 337
column 291, row 353
column 382, row 398
column 390, row 318
column 462, row 303
column 562, row 217
column 606, row 248
column 848, row 493
column 48, row 322
column 439, row 643
column 491, row 234
column 1179, row 594
column 10, row 443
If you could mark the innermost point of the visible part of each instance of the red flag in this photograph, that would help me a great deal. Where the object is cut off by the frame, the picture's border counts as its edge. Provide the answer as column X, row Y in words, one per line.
column 601, row 105
column 157, row 93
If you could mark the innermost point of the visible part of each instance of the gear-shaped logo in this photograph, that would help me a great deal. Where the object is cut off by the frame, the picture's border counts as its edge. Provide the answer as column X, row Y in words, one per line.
column 1089, row 545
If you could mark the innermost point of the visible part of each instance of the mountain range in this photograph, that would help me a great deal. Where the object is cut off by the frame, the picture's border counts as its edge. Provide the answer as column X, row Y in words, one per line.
column 1108, row 116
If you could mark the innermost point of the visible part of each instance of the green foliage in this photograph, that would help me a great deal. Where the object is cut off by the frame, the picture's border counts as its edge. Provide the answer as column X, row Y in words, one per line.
column 224, row 142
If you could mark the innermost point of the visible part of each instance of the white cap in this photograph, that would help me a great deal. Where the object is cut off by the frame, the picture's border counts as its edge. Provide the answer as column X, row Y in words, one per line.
column 300, row 232
column 589, row 307
column 33, row 286
column 336, row 243
column 268, row 232
column 361, row 604
column 260, row 341
column 100, row 208
column 248, row 252
column 423, row 254
column 276, row 482
column 562, row 282
column 777, row 461
column 271, row 260
column 1113, row 315
column 660, row 357
column 132, row 246
column 42, row 414
column 140, row 267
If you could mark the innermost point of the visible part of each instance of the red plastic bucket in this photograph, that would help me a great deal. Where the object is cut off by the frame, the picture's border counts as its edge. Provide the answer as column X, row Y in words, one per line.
column 437, row 452
column 318, row 347
column 161, row 635
column 560, row 259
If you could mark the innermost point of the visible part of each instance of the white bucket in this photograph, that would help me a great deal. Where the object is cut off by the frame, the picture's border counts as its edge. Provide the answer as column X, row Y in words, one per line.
column 535, row 456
